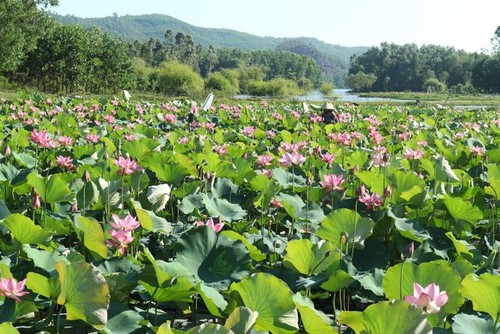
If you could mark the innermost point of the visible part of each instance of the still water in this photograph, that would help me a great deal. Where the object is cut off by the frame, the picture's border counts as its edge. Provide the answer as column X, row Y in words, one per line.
column 344, row 95
column 339, row 94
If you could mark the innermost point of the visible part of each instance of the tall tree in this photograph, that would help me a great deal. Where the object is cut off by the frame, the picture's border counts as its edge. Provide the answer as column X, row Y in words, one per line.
column 22, row 22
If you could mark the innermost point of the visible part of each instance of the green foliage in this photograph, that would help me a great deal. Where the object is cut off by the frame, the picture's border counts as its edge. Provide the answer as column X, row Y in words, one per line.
column 22, row 24
column 387, row 317
column 484, row 292
column 220, row 84
column 326, row 88
column 72, row 59
column 272, row 299
column 360, row 81
column 84, row 293
column 412, row 68
column 176, row 79
column 432, row 85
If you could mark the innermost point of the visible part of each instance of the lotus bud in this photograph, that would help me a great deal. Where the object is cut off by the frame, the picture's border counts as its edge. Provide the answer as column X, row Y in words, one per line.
column 343, row 237
column 409, row 250
column 36, row 202
column 86, row 176
column 387, row 191
column 353, row 170
column 7, row 151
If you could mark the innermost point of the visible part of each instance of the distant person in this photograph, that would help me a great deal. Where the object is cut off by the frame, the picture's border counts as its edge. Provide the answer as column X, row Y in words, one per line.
column 329, row 113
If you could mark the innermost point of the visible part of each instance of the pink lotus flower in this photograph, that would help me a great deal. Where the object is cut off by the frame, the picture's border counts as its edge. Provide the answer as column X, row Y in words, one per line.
column 210, row 223
column 429, row 297
column 290, row 159
column 126, row 166
column 92, row 138
column 264, row 160
column 41, row 138
column 477, row 150
column 64, row 162
column 413, row 154
column 120, row 240
column 327, row 157
column 332, row 182
column 170, row 118
column 10, row 288
column 380, row 160
column 369, row 200
column 65, row 141
column 248, row 131
column 126, row 224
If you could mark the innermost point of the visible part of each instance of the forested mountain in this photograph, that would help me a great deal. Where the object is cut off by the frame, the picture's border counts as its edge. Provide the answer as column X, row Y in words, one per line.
column 332, row 59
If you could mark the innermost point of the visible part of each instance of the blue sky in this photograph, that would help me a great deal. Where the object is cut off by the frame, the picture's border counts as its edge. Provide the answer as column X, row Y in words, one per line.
column 463, row 24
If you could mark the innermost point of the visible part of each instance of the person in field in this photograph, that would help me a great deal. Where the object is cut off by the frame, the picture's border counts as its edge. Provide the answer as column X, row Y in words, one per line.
column 329, row 113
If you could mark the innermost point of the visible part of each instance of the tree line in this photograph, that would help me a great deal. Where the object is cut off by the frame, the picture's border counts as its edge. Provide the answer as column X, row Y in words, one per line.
column 429, row 68
column 42, row 54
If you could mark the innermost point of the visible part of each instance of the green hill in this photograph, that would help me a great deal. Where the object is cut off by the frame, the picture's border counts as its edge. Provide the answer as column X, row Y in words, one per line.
column 333, row 59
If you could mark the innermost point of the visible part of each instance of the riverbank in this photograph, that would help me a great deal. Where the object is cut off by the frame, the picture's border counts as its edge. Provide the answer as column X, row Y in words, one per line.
column 485, row 100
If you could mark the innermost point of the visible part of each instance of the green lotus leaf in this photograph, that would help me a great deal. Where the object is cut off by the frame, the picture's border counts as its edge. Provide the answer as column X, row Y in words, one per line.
column 158, row 196
column 122, row 320
column 372, row 281
column 387, row 317
column 463, row 267
column 220, row 207
column 160, row 276
column 44, row 259
column 443, row 170
column 166, row 168
column 407, row 187
column 213, row 259
column 52, row 189
column 213, row 299
column 272, row 299
column 468, row 323
column 84, row 293
column 191, row 202
column 178, row 290
column 409, row 228
column 399, row 279
column 356, row 158
column 8, row 328
column 308, row 258
column 465, row 250
column 314, row 321
column 151, row 222
column 138, row 149
column 8, row 172
column 337, row 280
column 255, row 253
column 88, row 195
column 25, row 231
column 93, row 237
column 461, row 209
column 348, row 223
column 8, row 311
column 217, row 165
column 241, row 320
column 484, row 292
column 375, row 181
column 25, row 159
column 268, row 190
column 287, row 179
column 186, row 162
column 244, row 170
column 494, row 181
column 48, row 287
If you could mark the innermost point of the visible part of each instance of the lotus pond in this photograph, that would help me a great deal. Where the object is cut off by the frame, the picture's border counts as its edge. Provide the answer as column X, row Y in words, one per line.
column 119, row 217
